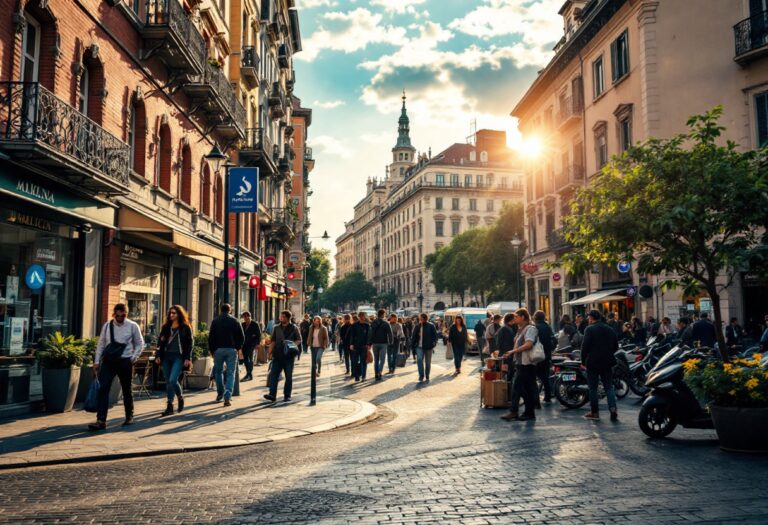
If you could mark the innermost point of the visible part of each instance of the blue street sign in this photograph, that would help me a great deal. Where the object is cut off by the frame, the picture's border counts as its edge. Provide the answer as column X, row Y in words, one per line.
column 35, row 277
column 243, row 190
column 624, row 267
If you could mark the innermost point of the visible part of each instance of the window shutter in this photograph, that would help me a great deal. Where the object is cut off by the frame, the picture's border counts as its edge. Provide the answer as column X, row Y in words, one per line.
column 761, row 103
column 614, row 60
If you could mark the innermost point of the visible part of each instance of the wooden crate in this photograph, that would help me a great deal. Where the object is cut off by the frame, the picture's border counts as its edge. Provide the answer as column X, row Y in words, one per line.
column 493, row 394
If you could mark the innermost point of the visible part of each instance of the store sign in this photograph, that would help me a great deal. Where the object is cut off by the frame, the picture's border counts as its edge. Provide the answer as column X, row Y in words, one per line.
column 530, row 267
column 631, row 291
column 34, row 190
column 295, row 257
column 623, row 267
column 132, row 252
column 556, row 277
column 45, row 254
column 30, row 221
column 35, row 277
column 270, row 261
column 17, row 335
column 244, row 190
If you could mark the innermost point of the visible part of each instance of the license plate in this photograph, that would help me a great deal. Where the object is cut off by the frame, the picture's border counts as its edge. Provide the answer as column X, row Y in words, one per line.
column 568, row 377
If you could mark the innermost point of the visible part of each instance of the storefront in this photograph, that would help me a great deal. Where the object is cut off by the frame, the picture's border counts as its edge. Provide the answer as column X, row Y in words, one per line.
column 143, row 276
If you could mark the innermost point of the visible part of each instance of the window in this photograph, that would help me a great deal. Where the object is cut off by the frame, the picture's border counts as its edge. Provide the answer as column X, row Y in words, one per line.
column 598, row 78
column 479, row 181
column 455, row 227
column 454, row 204
column 602, row 150
column 489, row 205
column 620, row 57
column 483, row 157
column 218, row 195
column 625, row 134
column 761, row 107
column 439, row 179
column 137, row 135
column 472, row 204
column 504, row 181
column 467, row 180
column 163, row 175
column 82, row 92
column 402, row 171
column 438, row 203
column 454, row 179
column 30, row 51
column 438, row 228
column 205, row 195
column 185, row 190
column 420, row 230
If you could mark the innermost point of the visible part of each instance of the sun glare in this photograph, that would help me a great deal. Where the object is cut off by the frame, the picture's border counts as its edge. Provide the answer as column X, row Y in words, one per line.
column 531, row 147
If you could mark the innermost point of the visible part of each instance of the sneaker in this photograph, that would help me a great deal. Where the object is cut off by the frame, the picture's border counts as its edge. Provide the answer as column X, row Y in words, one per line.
column 421, row 379
column 99, row 425
column 614, row 415
column 219, row 398
column 227, row 403
column 269, row 397
column 128, row 421
column 592, row 416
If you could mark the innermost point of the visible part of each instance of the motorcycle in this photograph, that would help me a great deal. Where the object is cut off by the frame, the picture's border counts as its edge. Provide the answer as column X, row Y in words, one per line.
column 644, row 362
column 671, row 402
column 571, row 386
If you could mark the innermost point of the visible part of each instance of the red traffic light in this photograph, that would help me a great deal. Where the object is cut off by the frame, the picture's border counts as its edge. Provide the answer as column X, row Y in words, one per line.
column 254, row 281
column 291, row 276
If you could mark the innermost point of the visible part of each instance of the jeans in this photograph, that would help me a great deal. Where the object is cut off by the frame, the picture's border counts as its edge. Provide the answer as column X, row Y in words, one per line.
column 317, row 356
column 347, row 357
column 248, row 361
column 359, row 361
column 524, row 385
column 480, row 345
column 424, row 361
column 225, row 379
column 542, row 372
column 606, row 376
column 379, row 355
column 281, row 363
column 458, row 356
column 107, row 372
column 392, row 351
column 173, row 366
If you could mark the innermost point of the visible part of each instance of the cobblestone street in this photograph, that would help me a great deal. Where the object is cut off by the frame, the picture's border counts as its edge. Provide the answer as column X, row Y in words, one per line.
column 431, row 456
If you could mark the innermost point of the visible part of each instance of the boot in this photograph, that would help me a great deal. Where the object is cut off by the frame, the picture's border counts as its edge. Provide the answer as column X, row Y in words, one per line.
column 168, row 410
column 181, row 404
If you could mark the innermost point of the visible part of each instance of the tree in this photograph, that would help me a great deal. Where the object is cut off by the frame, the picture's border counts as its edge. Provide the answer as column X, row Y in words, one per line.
column 317, row 274
column 351, row 290
column 684, row 206
column 385, row 299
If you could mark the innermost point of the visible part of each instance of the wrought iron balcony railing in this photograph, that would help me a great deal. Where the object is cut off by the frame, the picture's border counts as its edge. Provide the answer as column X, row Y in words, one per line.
column 572, row 175
column 213, row 92
column 181, row 46
column 249, row 65
column 570, row 109
column 308, row 154
column 557, row 242
column 751, row 36
column 40, row 128
column 282, row 56
column 258, row 150
column 283, row 220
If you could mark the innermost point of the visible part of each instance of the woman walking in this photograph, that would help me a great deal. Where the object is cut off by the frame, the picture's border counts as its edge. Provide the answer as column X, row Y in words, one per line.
column 459, row 339
column 524, row 384
column 394, row 348
column 174, row 353
column 318, row 342
column 346, row 324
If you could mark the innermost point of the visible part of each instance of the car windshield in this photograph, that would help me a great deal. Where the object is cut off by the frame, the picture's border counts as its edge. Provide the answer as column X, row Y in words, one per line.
column 471, row 320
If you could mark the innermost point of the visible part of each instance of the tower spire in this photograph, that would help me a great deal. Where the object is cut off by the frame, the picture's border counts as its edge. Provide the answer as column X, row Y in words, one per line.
column 403, row 128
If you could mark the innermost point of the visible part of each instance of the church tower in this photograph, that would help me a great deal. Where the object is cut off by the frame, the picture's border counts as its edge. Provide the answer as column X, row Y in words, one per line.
column 403, row 154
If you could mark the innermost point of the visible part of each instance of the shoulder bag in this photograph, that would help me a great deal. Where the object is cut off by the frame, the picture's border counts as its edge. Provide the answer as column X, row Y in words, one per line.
column 290, row 349
column 113, row 352
column 536, row 354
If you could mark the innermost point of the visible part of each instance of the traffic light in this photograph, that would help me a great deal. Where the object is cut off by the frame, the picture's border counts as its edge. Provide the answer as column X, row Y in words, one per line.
column 291, row 276
column 254, row 281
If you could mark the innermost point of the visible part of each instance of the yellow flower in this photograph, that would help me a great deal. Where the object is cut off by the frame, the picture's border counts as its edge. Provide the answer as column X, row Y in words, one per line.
column 757, row 357
column 728, row 367
column 691, row 364
column 752, row 383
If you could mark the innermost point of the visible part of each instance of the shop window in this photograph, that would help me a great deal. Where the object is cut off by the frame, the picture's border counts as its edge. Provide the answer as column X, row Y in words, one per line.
column 205, row 192
column 164, row 148
column 186, row 175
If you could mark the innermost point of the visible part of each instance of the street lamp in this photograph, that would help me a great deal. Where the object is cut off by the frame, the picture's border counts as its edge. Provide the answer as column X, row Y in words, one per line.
column 516, row 243
column 217, row 158
column 319, row 293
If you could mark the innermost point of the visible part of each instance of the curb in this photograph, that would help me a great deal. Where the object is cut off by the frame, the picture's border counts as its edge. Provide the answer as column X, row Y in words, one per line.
column 369, row 413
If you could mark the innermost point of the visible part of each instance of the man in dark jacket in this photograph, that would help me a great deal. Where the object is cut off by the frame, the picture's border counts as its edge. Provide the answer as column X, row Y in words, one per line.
column 304, row 330
column 547, row 339
column 285, row 330
column 225, row 338
column 597, row 353
column 704, row 331
column 733, row 333
column 480, row 336
column 379, row 338
column 505, row 339
column 685, row 330
column 424, row 340
column 359, row 346
column 581, row 323
column 613, row 323
column 252, row 333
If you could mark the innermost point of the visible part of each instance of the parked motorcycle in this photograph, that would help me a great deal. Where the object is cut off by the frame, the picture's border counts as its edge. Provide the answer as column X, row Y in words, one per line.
column 644, row 362
column 671, row 401
column 571, row 386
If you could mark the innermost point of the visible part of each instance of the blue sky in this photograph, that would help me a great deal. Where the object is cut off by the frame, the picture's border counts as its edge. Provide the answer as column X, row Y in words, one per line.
column 458, row 60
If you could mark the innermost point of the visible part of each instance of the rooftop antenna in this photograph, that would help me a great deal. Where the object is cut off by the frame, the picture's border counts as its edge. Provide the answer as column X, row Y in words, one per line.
column 472, row 131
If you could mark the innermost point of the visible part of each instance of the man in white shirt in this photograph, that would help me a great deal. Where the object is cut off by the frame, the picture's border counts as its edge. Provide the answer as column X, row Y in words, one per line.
column 106, row 366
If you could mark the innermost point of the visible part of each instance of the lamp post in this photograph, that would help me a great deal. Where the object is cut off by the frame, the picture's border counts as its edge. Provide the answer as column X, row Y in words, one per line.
column 516, row 243
column 319, row 308
column 218, row 158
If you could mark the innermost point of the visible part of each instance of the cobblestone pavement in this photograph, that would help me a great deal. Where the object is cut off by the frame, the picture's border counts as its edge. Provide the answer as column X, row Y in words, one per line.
column 433, row 456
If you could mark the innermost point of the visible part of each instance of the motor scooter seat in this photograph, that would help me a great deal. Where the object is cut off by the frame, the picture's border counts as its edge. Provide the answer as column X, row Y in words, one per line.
column 571, row 364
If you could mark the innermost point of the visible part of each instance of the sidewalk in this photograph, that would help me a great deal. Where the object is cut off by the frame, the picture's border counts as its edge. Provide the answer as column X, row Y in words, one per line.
column 204, row 424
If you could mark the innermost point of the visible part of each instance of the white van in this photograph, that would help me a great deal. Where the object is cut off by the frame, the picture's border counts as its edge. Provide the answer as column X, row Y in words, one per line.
column 503, row 307
column 471, row 317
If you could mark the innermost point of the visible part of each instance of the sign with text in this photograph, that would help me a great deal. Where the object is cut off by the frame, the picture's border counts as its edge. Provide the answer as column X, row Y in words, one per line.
column 243, row 190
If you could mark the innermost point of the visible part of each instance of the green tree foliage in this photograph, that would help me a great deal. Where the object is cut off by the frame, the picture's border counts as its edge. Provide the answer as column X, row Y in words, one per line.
column 318, row 270
column 685, row 206
column 386, row 299
column 349, row 291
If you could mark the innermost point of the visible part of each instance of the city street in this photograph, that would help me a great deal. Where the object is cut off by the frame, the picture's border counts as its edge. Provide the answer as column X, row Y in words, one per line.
column 432, row 455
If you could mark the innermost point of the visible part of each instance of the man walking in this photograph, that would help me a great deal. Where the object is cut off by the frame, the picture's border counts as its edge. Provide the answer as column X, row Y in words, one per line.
column 304, row 327
column 283, row 361
column 379, row 338
column 119, row 334
column 704, row 331
column 424, row 340
column 252, row 333
column 480, row 336
column 225, row 338
column 597, row 354
column 359, row 346
column 547, row 339
column 490, row 333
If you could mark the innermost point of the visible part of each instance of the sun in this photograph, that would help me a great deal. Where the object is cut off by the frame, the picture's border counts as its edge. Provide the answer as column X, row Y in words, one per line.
column 531, row 147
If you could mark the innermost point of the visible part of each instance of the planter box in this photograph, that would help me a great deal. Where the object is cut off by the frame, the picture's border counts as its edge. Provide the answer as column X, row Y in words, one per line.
column 86, row 379
column 200, row 376
column 741, row 429
column 60, row 388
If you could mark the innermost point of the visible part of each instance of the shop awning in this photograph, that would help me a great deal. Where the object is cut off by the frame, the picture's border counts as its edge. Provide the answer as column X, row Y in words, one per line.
column 618, row 294
column 132, row 221
column 192, row 246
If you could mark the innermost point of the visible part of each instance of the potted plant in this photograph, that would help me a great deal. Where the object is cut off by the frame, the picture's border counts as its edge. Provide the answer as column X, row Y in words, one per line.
column 60, row 360
column 86, row 371
column 202, row 362
column 738, row 395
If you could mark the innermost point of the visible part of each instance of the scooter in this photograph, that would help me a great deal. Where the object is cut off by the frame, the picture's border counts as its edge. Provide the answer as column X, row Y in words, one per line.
column 671, row 401
column 640, row 369
column 571, row 386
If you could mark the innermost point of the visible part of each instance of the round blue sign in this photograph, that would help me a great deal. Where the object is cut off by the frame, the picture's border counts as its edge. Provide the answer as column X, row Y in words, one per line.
column 624, row 267
column 35, row 277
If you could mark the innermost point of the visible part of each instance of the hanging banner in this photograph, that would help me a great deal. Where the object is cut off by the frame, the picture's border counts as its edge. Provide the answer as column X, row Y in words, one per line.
column 243, row 190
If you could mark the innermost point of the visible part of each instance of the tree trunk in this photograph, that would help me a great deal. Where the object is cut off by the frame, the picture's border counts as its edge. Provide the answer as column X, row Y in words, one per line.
column 715, row 296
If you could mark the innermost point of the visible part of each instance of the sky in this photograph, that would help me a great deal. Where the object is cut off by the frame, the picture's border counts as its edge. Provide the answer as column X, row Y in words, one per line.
column 459, row 61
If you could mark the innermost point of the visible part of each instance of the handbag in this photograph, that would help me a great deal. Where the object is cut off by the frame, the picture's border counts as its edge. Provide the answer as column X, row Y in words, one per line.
column 92, row 398
column 113, row 352
column 369, row 356
column 535, row 355
column 449, row 351
column 290, row 349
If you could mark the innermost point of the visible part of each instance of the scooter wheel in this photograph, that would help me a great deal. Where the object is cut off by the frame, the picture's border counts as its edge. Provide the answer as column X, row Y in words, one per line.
column 621, row 386
column 569, row 395
column 656, row 421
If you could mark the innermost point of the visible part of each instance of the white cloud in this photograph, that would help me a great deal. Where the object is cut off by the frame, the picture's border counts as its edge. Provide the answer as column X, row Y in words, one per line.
column 330, row 146
column 309, row 4
column 536, row 20
column 330, row 104
column 349, row 32
column 398, row 6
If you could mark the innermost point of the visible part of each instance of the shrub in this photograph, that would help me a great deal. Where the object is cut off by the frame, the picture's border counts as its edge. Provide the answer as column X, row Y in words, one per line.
column 61, row 351
column 740, row 383
column 200, row 345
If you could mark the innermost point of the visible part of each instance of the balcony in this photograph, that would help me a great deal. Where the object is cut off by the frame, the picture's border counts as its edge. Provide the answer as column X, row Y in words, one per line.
column 571, row 178
column 212, row 93
column 282, row 56
column 44, row 131
column 290, row 82
column 556, row 241
column 282, row 225
column 276, row 101
column 309, row 160
column 169, row 34
column 257, row 150
column 249, row 66
column 751, row 38
column 571, row 109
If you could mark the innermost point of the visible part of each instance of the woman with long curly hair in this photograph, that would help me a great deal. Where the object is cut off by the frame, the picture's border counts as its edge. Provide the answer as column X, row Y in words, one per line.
column 174, row 353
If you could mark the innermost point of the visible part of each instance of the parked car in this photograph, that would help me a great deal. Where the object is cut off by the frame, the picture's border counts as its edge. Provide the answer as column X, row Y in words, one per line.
column 503, row 307
column 471, row 317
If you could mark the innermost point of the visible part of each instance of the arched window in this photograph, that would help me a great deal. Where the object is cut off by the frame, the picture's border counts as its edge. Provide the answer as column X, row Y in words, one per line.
column 218, row 196
column 91, row 89
column 165, row 150
column 205, row 191
column 137, row 135
column 483, row 156
column 185, row 184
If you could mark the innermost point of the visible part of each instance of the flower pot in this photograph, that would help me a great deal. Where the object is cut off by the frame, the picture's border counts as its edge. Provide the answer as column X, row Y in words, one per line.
column 202, row 366
column 60, row 388
column 741, row 429
column 86, row 378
